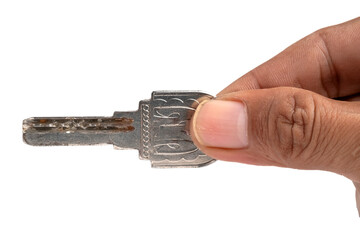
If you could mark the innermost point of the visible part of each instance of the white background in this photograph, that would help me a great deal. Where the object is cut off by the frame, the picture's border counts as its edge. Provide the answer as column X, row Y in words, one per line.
column 94, row 57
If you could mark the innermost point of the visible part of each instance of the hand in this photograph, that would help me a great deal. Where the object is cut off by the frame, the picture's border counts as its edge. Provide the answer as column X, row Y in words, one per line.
column 287, row 112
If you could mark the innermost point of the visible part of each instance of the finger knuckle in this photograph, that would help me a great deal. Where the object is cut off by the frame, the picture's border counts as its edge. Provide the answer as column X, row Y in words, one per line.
column 291, row 126
column 319, row 43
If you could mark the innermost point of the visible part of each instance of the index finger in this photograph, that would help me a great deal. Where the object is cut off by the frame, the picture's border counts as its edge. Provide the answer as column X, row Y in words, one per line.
column 326, row 62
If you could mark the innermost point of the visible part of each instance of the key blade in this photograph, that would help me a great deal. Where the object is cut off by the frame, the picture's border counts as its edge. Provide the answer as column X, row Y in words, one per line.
column 65, row 131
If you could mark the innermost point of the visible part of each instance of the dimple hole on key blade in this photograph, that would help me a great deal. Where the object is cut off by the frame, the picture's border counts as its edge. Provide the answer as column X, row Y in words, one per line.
column 78, row 123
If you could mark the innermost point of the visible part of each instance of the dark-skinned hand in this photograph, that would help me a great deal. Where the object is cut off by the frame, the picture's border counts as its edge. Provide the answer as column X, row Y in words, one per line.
column 297, row 110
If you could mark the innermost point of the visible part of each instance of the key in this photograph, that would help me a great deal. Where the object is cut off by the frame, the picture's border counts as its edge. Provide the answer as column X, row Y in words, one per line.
column 159, row 130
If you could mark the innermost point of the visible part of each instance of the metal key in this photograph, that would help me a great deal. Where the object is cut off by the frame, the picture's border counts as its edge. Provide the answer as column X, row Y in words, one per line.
column 159, row 129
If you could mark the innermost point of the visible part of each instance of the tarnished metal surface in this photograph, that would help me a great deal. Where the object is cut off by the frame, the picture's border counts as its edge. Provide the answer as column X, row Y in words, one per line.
column 159, row 129
column 79, row 124
column 66, row 131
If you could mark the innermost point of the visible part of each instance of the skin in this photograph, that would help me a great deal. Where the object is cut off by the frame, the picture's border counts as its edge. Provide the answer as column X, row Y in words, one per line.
column 302, row 106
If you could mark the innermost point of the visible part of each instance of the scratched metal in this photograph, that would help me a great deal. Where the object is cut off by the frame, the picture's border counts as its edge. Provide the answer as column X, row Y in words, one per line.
column 159, row 129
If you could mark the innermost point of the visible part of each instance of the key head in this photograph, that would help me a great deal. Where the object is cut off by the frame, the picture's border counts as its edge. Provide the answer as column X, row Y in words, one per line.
column 165, row 138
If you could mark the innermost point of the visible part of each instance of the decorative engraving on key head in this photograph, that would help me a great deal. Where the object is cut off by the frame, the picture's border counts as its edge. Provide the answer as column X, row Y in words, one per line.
column 145, row 131
column 166, row 139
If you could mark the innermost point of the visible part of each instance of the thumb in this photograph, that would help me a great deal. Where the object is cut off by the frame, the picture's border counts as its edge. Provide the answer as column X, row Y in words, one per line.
column 287, row 127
